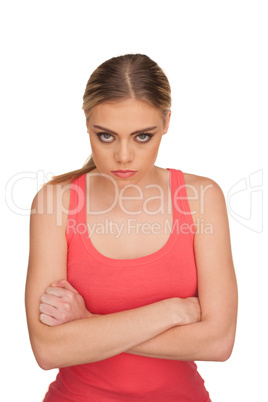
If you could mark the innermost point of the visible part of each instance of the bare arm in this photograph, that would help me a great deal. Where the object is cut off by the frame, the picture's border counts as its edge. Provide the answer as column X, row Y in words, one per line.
column 213, row 337
column 88, row 339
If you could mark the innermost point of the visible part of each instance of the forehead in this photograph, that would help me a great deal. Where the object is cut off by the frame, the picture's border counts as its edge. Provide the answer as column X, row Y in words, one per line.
column 129, row 113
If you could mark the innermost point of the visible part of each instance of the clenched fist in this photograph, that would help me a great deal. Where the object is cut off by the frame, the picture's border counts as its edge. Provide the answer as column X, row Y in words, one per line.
column 61, row 303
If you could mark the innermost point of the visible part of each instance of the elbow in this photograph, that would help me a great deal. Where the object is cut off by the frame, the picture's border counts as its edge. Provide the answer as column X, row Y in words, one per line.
column 44, row 355
column 44, row 360
column 51, row 356
column 223, row 355
column 46, row 364
column 223, row 349
column 220, row 340
column 48, row 349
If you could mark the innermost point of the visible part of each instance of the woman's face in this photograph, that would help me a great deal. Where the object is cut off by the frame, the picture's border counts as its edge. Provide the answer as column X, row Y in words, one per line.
column 126, row 135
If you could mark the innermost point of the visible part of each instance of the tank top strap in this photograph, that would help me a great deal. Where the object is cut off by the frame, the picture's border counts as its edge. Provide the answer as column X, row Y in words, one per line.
column 76, row 207
column 181, row 207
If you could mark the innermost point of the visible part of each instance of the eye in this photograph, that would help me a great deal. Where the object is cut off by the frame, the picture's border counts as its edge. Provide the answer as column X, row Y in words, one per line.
column 105, row 137
column 144, row 137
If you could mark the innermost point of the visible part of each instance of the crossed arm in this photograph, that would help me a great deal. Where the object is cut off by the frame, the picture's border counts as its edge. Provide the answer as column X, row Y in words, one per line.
column 181, row 329
column 61, row 304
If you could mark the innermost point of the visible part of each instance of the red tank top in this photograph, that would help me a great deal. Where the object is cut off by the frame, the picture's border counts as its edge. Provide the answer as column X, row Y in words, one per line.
column 110, row 285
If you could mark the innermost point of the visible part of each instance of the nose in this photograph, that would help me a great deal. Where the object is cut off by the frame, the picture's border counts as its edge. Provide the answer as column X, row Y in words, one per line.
column 123, row 152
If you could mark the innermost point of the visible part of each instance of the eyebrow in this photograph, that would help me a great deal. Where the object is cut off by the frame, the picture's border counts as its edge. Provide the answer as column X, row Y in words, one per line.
column 134, row 132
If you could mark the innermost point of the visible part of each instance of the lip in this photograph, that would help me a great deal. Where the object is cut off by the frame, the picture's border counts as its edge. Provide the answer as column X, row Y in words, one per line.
column 123, row 173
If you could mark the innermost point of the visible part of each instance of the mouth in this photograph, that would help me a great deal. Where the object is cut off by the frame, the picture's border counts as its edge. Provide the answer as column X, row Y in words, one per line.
column 123, row 173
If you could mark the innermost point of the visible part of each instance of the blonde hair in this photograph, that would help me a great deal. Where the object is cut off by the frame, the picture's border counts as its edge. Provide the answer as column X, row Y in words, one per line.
column 129, row 76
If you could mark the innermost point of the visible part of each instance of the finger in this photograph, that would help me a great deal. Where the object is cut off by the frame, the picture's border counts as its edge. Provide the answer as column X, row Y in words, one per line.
column 48, row 310
column 63, row 283
column 48, row 320
column 59, row 298
column 52, row 300
column 58, row 292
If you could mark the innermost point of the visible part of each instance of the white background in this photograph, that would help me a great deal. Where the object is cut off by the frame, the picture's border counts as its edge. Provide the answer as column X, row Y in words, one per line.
column 215, row 56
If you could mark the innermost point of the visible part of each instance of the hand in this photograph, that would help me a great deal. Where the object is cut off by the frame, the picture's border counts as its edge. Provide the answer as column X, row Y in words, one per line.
column 190, row 311
column 62, row 303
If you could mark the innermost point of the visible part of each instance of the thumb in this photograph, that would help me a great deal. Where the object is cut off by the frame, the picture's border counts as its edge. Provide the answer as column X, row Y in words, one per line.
column 63, row 283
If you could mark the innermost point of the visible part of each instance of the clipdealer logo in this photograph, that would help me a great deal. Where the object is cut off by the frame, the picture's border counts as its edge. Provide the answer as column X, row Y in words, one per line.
column 245, row 201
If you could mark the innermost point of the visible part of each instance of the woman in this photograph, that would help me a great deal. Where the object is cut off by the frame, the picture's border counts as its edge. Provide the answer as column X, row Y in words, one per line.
column 130, row 274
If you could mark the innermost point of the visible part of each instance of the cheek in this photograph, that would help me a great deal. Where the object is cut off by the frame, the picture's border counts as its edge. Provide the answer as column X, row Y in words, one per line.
column 97, row 148
column 102, row 156
column 148, row 157
column 152, row 150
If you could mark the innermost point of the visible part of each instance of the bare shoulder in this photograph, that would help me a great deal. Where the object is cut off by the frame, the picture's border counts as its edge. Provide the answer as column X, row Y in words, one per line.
column 52, row 200
column 201, row 184
column 205, row 196
column 200, row 181
column 48, row 246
